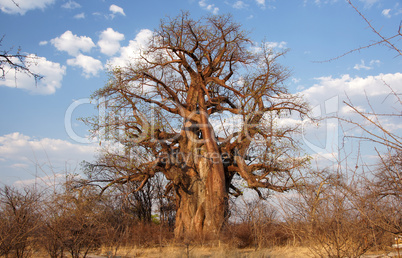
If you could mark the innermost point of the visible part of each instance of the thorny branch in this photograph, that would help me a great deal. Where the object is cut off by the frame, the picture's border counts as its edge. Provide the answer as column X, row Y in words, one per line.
column 384, row 40
column 16, row 62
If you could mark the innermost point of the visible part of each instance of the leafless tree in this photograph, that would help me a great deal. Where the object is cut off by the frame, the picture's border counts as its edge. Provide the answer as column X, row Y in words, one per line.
column 74, row 221
column 20, row 220
column 162, row 107
column 381, row 202
column 324, row 216
column 134, row 201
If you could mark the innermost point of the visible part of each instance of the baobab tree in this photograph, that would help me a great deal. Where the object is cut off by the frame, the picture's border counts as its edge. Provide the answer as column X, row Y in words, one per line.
column 201, row 105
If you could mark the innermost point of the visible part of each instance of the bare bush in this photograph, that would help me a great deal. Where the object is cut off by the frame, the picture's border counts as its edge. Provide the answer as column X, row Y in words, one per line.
column 255, row 224
column 73, row 222
column 324, row 216
column 381, row 202
column 19, row 220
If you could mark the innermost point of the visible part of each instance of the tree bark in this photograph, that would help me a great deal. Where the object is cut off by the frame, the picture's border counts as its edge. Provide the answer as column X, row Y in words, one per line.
column 202, row 207
column 202, row 200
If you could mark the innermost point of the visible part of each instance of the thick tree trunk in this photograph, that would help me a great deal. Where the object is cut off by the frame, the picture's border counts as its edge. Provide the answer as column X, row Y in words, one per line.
column 202, row 207
column 202, row 199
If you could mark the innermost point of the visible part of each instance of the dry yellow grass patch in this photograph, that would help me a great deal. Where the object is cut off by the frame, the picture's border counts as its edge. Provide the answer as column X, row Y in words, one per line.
column 199, row 251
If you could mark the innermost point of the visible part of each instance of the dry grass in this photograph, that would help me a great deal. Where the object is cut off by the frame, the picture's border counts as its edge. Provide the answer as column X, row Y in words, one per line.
column 223, row 251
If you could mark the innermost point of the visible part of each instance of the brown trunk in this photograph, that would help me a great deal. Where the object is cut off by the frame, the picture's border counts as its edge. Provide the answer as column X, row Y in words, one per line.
column 203, row 202
column 202, row 207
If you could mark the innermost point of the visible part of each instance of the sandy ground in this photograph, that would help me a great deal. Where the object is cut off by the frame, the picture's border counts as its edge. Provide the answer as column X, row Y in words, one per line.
column 221, row 252
column 198, row 252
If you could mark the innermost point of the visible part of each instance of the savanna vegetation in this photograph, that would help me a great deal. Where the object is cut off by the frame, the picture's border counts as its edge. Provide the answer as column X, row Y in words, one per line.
column 191, row 131
column 328, row 215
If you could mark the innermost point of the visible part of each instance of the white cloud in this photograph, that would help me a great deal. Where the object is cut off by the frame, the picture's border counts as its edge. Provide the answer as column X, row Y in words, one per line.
column 269, row 45
column 203, row 3
column 366, row 94
column 349, row 110
column 53, row 75
column 79, row 16
column 324, row 157
column 47, row 180
column 19, row 165
column 23, row 6
column 386, row 12
column 296, row 80
column 19, row 152
column 43, row 43
column 208, row 7
column 72, row 44
column 375, row 62
column 116, row 9
column 19, row 147
column 261, row 3
column 357, row 86
column 90, row 65
column 239, row 5
column 280, row 45
column 369, row 3
column 109, row 42
column 71, row 5
column 397, row 9
column 319, row 2
column 228, row 125
column 363, row 65
column 133, row 50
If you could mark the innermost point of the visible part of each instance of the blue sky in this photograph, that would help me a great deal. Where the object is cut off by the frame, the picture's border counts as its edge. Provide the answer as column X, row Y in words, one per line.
column 74, row 41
